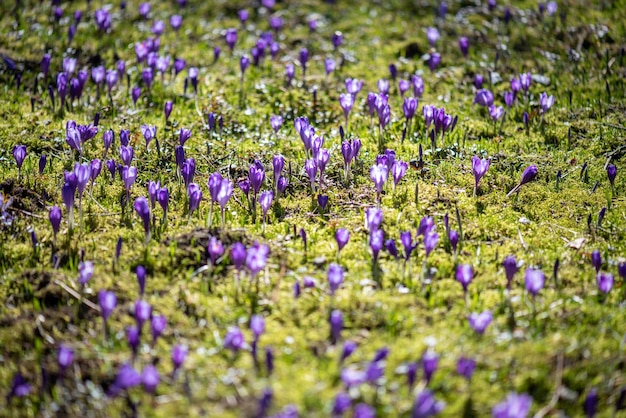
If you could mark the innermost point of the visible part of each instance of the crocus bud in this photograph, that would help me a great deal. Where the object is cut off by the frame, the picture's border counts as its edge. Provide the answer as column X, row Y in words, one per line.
column 55, row 219
column 336, row 325
column 590, row 405
column 510, row 268
column 141, row 278
column 168, row 109
column 19, row 153
column 596, row 260
column 179, row 354
column 42, row 163
column 464, row 45
column 430, row 361
column 611, row 172
column 65, row 357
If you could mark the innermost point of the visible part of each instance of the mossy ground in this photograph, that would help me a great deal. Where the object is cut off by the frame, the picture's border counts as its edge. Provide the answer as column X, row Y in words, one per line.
column 569, row 328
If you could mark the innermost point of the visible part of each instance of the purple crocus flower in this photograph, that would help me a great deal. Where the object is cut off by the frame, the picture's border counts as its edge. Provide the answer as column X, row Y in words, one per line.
column 135, row 93
column 430, row 242
column 346, row 101
column 404, row 85
column 496, row 112
column 150, row 378
column 525, row 79
column 126, row 154
column 611, row 172
column 234, row 340
column 335, row 277
column 465, row 366
column 342, row 236
column 605, row 282
column 158, row 323
column 336, row 325
column 430, row 361
column 392, row 248
column 510, row 268
column 215, row 250
column 407, row 242
column 434, row 60
column 590, row 405
column 143, row 312
column 188, row 170
column 257, row 325
column 179, row 354
column 163, row 197
column 479, row 167
column 107, row 301
column 528, row 175
column 354, row 86
column 376, row 242
column 509, row 99
column 432, row 34
column 596, row 260
column 373, row 218
column 290, row 72
column 341, row 404
column 256, row 174
column 238, row 255
column 480, row 321
column 464, row 275
column 19, row 387
column 167, row 109
column 464, row 45
column 143, row 211
column 514, row 406
column 256, row 258
column 19, row 153
column 195, row 196
column 378, row 175
column 140, row 272
column 55, row 219
column 43, row 160
column 534, row 281
column 126, row 378
column 144, row 10
column 484, row 98
column 176, row 22
column 85, row 272
column 244, row 63
column 65, row 357
column 149, row 133
column 398, row 170
column 409, row 107
column 546, row 102
column 265, row 201
column 310, row 167
column 329, row 66
column 276, row 122
column 426, row 405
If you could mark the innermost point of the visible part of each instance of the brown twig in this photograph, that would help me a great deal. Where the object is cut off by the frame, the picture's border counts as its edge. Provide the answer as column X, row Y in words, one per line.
column 76, row 295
